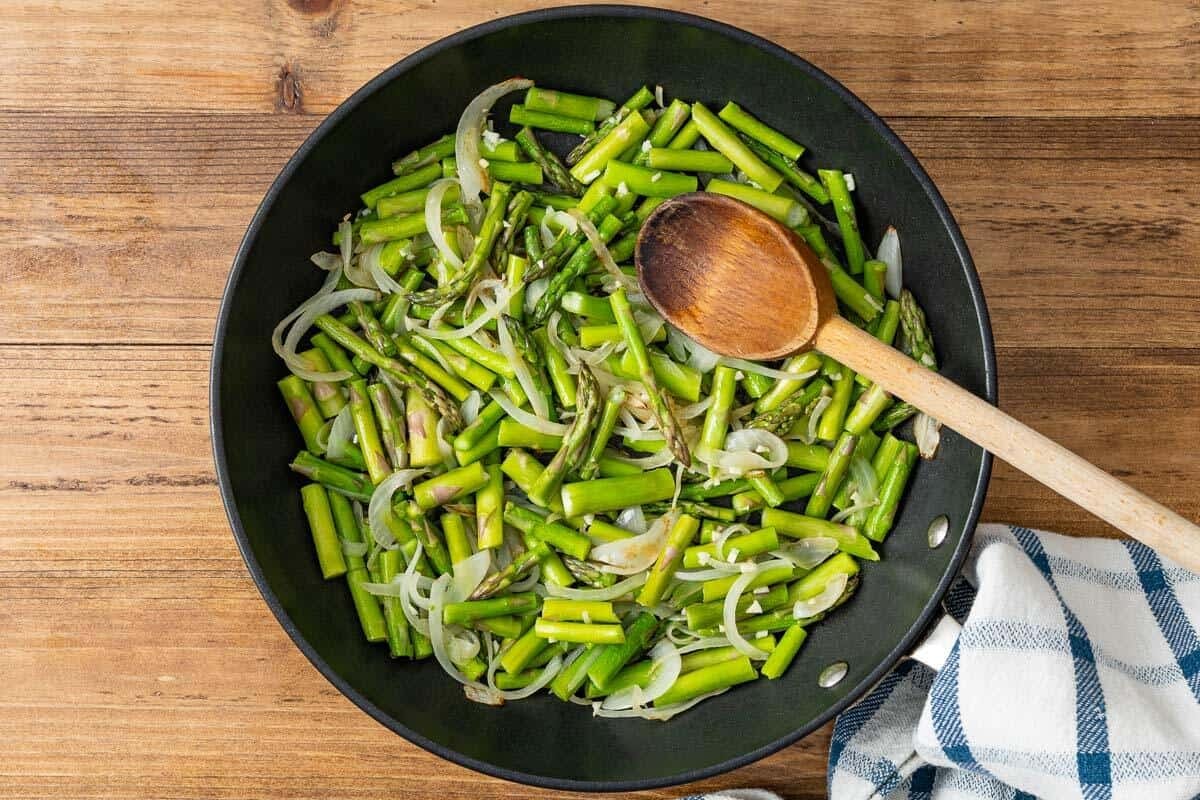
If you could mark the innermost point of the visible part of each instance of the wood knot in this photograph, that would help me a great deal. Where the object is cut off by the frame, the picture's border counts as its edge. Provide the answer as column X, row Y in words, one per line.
column 310, row 6
column 289, row 95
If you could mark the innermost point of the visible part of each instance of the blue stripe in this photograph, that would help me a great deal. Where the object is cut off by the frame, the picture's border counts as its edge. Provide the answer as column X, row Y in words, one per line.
column 1172, row 621
column 946, row 716
column 1093, row 760
column 1019, row 795
column 921, row 787
column 1005, row 634
column 959, row 599
column 851, row 722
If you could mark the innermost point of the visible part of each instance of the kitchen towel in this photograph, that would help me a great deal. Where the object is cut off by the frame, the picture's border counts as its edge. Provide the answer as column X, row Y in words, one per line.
column 1076, row 674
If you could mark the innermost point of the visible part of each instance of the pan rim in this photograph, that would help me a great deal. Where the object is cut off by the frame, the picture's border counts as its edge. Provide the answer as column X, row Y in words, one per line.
column 396, row 71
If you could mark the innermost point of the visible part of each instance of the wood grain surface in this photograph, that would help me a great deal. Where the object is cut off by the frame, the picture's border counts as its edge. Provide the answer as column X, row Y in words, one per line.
column 137, row 658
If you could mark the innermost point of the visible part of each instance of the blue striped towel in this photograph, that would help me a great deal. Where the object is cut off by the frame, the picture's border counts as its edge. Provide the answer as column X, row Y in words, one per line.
column 1076, row 674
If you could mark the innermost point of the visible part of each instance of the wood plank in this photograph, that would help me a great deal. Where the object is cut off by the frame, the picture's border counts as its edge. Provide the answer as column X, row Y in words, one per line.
column 1047, row 59
column 1072, row 220
column 137, row 542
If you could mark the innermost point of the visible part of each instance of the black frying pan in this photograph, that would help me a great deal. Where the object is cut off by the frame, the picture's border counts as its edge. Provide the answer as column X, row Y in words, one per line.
column 609, row 51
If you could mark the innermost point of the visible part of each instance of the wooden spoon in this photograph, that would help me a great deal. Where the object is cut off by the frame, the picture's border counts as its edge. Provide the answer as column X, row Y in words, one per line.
column 744, row 285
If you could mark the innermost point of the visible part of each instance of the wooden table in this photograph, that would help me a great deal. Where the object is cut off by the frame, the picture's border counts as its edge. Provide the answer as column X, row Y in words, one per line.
column 136, row 139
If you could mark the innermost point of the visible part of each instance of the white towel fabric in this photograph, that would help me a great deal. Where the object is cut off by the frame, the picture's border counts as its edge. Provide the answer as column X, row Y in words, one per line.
column 1076, row 675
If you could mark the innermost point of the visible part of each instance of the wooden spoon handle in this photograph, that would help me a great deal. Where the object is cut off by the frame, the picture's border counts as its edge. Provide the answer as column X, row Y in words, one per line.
column 1044, row 460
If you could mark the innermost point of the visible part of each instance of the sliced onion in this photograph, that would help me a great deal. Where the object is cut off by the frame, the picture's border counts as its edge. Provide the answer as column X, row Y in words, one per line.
column 866, row 484
column 833, row 591
column 726, row 532
column 472, row 177
column 807, row 553
column 411, row 581
column 528, row 582
column 534, row 292
column 433, row 219
column 629, row 556
column 656, row 714
column 396, row 588
column 704, row 644
column 632, row 519
column 743, row 454
column 617, row 590
column 438, row 636
column 551, row 670
column 697, row 355
column 370, row 261
column 600, row 248
column 293, row 360
column 849, row 511
column 653, row 461
column 694, row 409
column 381, row 503
column 326, row 261
column 729, row 609
column 354, row 549
column 493, row 311
column 814, row 419
column 664, row 671
column 316, row 308
column 462, row 646
column 889, row 253
column 468, row 574
column 537, row 400
column 340, row 433
column 718, row 570
column 471, row 406
column 524, row 417
column 926, row 430
column 759, row 369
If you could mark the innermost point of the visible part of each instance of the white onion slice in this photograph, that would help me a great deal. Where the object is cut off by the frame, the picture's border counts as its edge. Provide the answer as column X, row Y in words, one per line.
column 632, row 519
column 326, row 261
column 600, row 248
column 814, row 419
column 849, row 511
column 462, row 646
column 653, row 461
column 525, row 418
column 468, row 574
column 656, row 714
column 396, row 588
column 437, row 637
column 411, row 581
column 694, row 410
column 551, row 670
column 759, row 369
column 698, row 356
column 327, row 287
column 747, row 450
column 804, row 609
column 534, row 292
column 889, row 253
column 370, row 261
column 340, row 433
column 704, row 644
column 528, row 582
column 381, row 502
column 537, row 400
column 866, row 484
column 302, row 319
column 617, row 590
column 472, row 177
column 729, row 611
column 494, row 309
column 354, row 549
column 714, row 573
column 471, row 407
column 629, row 556
column 433, row 220
column 664, row 670
column 807, row 553
column 926, row 430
